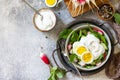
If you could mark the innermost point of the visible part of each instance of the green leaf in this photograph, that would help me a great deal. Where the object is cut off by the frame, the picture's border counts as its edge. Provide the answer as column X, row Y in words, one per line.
column 53, row 72
column 103, row 39
column 60, row 73
column 105, row 46
column 73, row 57
column 99, row 59
column 89, row 66
column 80, row 35
column 117, row 18
column 74, row 37
column 64, row 34
column 56, row 73
column 84, row 31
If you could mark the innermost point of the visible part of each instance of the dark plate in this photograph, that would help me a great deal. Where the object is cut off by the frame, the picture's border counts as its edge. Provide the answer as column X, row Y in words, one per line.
column 61, row 45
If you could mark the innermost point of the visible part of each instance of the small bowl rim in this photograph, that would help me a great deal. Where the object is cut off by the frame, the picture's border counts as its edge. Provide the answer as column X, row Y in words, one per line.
column 37, row 26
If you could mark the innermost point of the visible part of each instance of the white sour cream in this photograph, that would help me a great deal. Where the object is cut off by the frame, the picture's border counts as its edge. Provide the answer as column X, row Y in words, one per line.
column 48, row 21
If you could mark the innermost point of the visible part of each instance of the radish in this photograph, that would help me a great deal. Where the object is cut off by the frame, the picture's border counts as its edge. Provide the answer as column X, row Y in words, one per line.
column 88, row 2
column 93, row 1
column 44, row 58
column 75, row 6
column 81, row 5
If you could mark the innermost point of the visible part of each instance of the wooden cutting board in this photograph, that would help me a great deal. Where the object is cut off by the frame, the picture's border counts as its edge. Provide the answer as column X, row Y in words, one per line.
column 86, row 7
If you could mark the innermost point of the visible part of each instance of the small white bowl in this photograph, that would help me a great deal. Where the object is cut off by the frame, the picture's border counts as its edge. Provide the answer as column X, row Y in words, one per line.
column 51, row 5
column 38, row 27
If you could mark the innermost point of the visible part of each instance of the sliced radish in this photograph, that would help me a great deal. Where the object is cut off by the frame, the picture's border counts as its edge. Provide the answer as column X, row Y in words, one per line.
column 98, row 64
column 95, row 29
column 104, row 55
column 69, row 47
column 82, row 63
column 100, row 32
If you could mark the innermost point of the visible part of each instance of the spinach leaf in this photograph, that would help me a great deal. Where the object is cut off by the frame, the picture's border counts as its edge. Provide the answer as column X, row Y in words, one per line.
column 74, row 37
column 89, row 66
column 80, row 35
column 117, row 18
column 73, row 57
column 64, row 34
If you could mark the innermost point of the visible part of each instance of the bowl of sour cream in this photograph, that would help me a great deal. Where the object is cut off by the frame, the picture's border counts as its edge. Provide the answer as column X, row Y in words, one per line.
column 47, row 22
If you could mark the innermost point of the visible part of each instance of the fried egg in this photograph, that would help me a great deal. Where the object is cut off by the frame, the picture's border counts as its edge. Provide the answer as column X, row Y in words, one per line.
column 93, row 45
column 79, row 48
column 87, row 57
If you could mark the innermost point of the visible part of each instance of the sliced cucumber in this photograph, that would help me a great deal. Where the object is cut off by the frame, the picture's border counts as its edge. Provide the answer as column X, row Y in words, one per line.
column 103, row 44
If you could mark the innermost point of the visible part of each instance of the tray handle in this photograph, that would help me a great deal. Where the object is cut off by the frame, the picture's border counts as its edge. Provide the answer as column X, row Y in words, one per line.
column 115, row 32
column 53, row 56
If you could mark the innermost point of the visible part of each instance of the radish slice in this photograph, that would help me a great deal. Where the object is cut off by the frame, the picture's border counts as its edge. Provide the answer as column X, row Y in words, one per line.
column 98, row 64
column 82, row 63
column 100, row 32
column 69, row 47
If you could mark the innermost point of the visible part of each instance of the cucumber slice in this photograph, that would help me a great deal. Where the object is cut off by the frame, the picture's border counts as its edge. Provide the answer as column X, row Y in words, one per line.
column 103, row 44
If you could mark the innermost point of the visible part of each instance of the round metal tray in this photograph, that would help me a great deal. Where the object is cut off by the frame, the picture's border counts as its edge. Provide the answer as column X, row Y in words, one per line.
column 64, row 60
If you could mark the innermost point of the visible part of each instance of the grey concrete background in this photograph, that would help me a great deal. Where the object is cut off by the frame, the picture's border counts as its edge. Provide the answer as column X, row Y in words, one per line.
column 21, row 42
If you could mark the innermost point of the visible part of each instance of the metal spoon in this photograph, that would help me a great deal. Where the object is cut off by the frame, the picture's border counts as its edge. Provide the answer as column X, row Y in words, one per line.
column 36, row 11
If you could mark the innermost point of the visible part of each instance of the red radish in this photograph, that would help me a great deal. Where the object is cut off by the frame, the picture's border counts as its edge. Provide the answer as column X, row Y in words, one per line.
column 98, row 30
column 44, row 58
column 82, row 3
column 75, row 6
column 69, row 47
column 93, row 1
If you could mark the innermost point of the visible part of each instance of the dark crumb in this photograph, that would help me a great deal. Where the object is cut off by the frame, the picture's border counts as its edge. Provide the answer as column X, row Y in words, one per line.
column 41, row 47
column 58, row 13
column 46, row 37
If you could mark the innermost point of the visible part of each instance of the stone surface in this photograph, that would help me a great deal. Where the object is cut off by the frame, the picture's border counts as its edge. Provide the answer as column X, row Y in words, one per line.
column 21, row 42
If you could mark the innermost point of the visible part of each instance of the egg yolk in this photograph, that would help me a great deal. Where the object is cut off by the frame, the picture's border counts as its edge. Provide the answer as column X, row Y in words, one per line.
column 81, row 49
column 50, row 2
column 87, row 57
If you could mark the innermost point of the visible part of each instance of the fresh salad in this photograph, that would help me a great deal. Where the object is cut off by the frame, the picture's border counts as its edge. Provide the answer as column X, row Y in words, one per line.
column 87, row 47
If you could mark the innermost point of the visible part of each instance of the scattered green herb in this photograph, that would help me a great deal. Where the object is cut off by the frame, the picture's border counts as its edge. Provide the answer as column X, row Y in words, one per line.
column 73, row 57
column 117, row 18
column 56, row 73
column 80, row 35
column 64, row 34
column 99, row 59
column 74, row 37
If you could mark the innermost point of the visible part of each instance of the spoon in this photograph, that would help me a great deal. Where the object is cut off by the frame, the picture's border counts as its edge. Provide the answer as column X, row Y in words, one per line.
column 36, row 11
